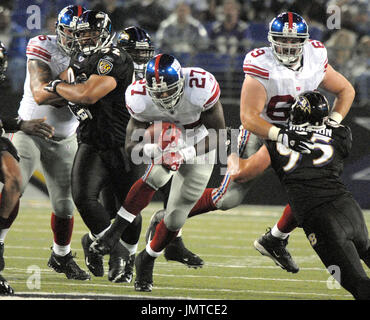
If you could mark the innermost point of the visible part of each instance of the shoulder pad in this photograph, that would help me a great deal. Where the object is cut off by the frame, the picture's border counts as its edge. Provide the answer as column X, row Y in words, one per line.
column 135, row 97
column 39, row 48
column 257, row 63
column 202, row 87
column 318, row 52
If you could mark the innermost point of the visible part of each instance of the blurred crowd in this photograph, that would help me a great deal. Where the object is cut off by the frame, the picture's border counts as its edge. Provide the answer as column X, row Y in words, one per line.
column 213, row 34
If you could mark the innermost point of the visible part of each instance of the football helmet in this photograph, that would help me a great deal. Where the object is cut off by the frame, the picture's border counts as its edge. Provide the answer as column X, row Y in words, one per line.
column 310, row 107
column 3, row 61
column 164, row 81
column 137, row 42
column 93, row 32
column 288, row 33
column 66, row 22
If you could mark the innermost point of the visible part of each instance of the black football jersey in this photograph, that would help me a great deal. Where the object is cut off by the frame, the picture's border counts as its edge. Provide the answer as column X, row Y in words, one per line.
column 107, row 128
column 312, row 179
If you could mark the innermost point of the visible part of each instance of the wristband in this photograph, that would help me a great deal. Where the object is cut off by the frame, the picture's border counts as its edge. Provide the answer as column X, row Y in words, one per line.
column 12, row 124
column 336, row 116
column 273, row 133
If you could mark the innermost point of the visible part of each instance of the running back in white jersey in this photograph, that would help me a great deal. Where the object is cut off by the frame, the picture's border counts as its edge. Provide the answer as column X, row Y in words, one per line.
column 201, row 92
column 45, row 49
column 282, row 84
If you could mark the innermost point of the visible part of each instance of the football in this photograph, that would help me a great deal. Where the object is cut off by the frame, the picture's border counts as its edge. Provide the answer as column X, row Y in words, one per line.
column 165, row 134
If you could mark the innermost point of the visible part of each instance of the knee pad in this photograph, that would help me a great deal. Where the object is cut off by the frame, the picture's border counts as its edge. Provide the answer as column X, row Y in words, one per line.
column 175, row 220
column 231, row 196
column 63, row 208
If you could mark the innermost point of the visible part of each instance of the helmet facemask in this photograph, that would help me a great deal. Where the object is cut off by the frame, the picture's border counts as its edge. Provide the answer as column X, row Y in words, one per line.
column 90, row 39
column 65, row 39
column 166, row 96
column 287, row 49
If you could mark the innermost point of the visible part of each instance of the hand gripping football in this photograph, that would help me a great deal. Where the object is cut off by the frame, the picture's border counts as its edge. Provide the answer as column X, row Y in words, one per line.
column 166, row 134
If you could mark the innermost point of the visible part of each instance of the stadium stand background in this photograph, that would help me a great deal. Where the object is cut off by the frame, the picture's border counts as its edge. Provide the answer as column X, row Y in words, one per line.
column 216, row 35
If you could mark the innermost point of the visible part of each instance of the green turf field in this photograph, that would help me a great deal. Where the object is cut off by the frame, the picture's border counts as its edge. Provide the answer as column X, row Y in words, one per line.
column 233, row 268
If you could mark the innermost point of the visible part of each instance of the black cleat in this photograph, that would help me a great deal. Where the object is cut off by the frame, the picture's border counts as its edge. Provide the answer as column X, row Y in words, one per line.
column 154, row 220
column 66, row 264
column 144, row 264
column 129, row 269
column 5, row 288
column 275, row 248
column 176, row 251
column 94, row 262
column 2, row 262
column 102, row 246
column 117, row 262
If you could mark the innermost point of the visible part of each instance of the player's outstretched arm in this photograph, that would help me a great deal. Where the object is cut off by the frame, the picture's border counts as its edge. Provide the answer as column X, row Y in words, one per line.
column 337, row 84
column 40, row 75
column 88, row 92
column 243, row 170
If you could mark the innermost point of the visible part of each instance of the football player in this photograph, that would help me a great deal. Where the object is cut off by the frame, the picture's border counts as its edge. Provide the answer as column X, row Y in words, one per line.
column 10, row 173
column 47, row 57
column 101, row 73
column 187, row 97
column 137, row 42
column 330, row 217
column 274, row 76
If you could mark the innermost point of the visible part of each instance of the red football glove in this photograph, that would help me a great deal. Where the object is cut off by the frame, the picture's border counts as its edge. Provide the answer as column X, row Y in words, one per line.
column 172, row 160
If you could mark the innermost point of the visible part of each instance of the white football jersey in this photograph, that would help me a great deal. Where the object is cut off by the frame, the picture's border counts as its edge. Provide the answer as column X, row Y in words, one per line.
column 282, row 84
column 45, row 48
column 201, row 92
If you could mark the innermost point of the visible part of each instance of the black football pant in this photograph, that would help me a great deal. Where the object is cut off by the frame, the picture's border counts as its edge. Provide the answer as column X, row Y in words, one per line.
column 100, row 182
column 338, row 233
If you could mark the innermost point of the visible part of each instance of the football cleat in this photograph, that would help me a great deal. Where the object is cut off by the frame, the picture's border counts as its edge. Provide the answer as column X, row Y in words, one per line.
column 5, row 288
column 67, row 265
column 94, row 262
column 129, row 269
column 117, row 262
column 2, row 262
column 176, row 251
column 144, row 265
column 275, row 248
column 101, row 246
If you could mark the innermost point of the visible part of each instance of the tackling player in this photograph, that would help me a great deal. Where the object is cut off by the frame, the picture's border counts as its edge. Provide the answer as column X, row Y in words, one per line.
column 274, row 76
column 47, row 57
column 330, row 217
column 187, row 97
column 102, row 72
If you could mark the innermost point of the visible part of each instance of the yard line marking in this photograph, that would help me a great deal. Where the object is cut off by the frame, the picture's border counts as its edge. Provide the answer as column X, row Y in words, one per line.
column 184, row 289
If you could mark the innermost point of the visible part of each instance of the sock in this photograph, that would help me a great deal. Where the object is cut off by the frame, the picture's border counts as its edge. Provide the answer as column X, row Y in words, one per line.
column 62, row 229
column 138, row 197
column 3, row 233
column 161, row 239
column 204, row 204
column 6, row 223
column 278, row 234
column 131, row 248
column 287, row 223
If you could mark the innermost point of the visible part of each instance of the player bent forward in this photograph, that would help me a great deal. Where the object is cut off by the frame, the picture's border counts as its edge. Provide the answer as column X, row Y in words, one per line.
column 188, row 97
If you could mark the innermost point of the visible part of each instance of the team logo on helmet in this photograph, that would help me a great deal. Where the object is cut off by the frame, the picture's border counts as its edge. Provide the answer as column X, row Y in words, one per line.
column 104, row 67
